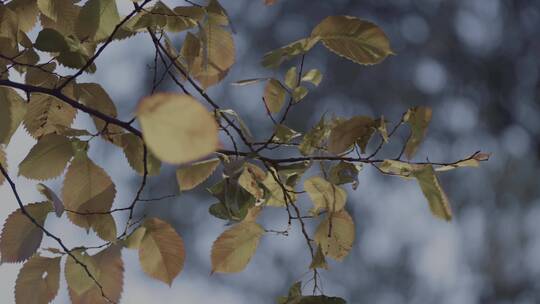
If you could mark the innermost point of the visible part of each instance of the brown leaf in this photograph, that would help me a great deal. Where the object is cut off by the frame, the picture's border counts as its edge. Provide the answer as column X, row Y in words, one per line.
column 20, row 237
column 109, row 273
column 38, row 280
column 87, row 188
column 161, row 251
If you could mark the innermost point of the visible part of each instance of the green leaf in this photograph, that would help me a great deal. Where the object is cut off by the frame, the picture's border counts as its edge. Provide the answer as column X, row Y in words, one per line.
column 324, row 195
column 177, row 128
column 48, row 158
column 275, row 58
column 346, row 133
column 319, row 261
column 335, row 235
column 38, row 280
column 274, row 95
column 97, row 20
column 418, row 119
column 192, row 175
column 50, row 40
column 437, row 199
column 291, row 78
column 295, row 297
column 313, row 76
column 357, row 40
column 284, row 134
column 234, row 200
column 233, row 249
column 299, row 93
column 344, row 173
column 161, row 251
column 20, row 237
column 13, row 111
column 109, row 272
column 314, row 138
column 87, row 189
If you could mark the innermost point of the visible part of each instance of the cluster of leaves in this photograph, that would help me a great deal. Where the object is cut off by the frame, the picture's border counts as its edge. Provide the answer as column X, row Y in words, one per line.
column 177, row 129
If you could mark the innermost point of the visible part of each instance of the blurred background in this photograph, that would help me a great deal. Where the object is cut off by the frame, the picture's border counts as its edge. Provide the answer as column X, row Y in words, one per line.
column 475, row 63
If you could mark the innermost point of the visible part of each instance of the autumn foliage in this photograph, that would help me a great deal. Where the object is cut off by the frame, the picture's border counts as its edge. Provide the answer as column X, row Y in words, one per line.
column 183, row 129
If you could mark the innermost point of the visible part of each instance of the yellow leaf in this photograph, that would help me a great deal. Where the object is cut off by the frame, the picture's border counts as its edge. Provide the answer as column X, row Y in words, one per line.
column 13, row 111
column 27, row 12
column 45, row 114
column 161, row 251
column 20, row 237
column 77, row 278
column 104, row 226
column 473, row 161
column 355, row 130
column 87, row 188
column 108, row 269
column 275, row 196
column 418, row 118
column 437, row 199
column 324, row 195
column 251, row 178
column 95, row 97
column 318, row 261
column 177, row 128
column 216, row 55
column 60, row 15
column 395, row 167
column 133, row 241
column 134, row 152
column 275, row 58
column 274, row 95
column 233, row 249
column 335, row 235
column 313, row 76
column 299, row 93
column 360, row 41
column 192, row 175
column 291, row 78
column 38, row 280
column 48, row 158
